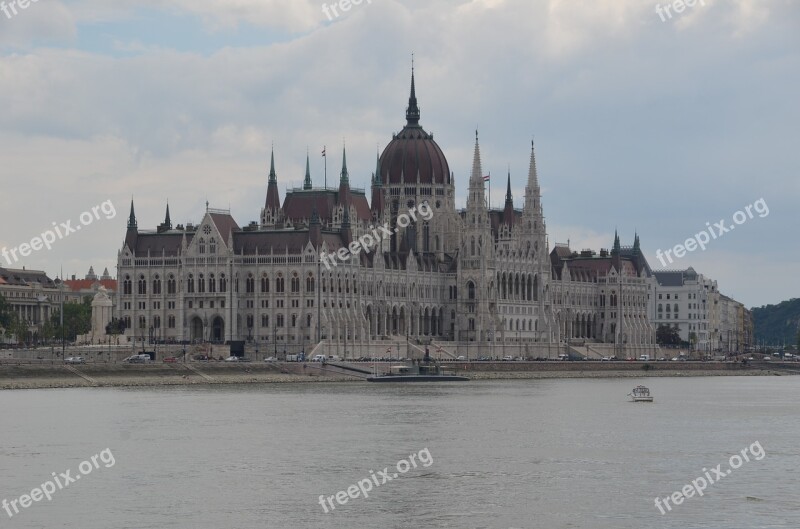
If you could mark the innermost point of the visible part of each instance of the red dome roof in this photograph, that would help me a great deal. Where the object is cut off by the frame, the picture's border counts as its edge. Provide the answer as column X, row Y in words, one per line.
column 412, row 155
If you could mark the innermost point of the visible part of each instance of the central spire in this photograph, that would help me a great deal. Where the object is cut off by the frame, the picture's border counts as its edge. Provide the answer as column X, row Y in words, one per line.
column 273, row 178
column 412, row 113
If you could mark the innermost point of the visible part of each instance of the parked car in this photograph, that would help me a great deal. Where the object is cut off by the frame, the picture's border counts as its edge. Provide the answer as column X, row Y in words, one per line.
column 171, row 360
column 75, row 360
column 319, row 358
column 232, row 359
column 461, row 358
column 137, row 359
column 508, row 358
column 271, row 359
column 605, row 359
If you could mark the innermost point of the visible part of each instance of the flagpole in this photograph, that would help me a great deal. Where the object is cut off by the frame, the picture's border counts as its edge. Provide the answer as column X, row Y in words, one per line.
column 325, row 155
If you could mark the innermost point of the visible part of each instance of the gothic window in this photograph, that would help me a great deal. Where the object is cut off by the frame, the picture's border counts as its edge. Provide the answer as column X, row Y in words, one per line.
column 157, row 285
column 470, row 290
column 127, row 286
column 310, row 283
column 264, row 284
column 201, row 245
column 171, row 284
column 201, row 284
column 212, row 283
column 223, row 283
column 190, row 284
column 156, row 322
column 171, row 322
column 295, row 284
column 250, row 284
column 142, row 285
column 212, row 245
column 279, row 286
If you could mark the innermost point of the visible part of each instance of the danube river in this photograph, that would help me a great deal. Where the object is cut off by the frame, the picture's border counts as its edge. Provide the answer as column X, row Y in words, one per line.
column 547, row 454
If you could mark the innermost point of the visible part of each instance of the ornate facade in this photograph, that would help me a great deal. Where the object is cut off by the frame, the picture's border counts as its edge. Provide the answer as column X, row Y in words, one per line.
column 468, row 280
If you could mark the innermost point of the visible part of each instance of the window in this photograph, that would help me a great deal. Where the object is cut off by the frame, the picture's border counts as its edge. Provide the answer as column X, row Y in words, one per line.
column 212, row 283
column 279, row 284
column 157, row 285
column 279, row 320
column 264, row 284
column 250, row 284
column 201, row 245
column 310, row 283
column 295, row 283
column 142, row 285
column 127, row 289
column 264, row 320
column 171, row 284
column 201, row 284
column 212, row 246
column 171, row 322
column 156, row 322
column 190, row 284
column 223, row 283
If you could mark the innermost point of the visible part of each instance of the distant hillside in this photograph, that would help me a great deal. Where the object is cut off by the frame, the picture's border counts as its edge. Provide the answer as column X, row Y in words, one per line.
column 775, row 323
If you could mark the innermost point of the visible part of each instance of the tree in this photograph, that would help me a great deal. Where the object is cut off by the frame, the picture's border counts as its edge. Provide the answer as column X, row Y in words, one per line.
column 115, row 327
column 6, row 313
column 77, row 319
column 667, row 335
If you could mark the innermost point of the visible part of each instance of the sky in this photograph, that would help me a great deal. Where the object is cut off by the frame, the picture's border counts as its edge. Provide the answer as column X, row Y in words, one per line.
column 646, row 120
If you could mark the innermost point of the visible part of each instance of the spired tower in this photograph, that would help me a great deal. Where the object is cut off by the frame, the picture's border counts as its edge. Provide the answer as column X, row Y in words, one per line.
column 476, row 267
column 413, row 170
column 535, row 247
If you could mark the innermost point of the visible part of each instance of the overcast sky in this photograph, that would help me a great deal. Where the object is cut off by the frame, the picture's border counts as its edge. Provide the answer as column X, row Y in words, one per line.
column 641, row 124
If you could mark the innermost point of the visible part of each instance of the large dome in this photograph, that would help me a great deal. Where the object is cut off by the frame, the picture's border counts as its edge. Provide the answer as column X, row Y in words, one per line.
column 412, row 156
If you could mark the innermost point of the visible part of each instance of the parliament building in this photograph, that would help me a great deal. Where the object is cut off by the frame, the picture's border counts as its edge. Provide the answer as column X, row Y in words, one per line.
column 465, row 282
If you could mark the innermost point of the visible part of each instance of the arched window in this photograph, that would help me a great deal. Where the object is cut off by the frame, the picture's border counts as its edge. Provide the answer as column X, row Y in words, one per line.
column 223, row 283
column 250, row 284
column 264, row 284
column 201, row 246
column 310, row 282
column 472, row 246
column 127, row 286
column 279, row 284
column 142, row 285
column 190, row 284
column 295, row 283
column 470, row 290
column 156, row 322
column 212, row 283
column 212, row 246
column 171, row 284
column 171, row 322
column 157, row 285
column 201, row 284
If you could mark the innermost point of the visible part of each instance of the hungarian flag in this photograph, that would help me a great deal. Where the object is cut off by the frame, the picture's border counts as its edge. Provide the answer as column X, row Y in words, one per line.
column 487, row 177
column 323, row 152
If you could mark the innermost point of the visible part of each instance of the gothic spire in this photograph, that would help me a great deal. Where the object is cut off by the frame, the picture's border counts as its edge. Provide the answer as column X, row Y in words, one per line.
column 476, row 197
column 412, row 113
column 509, row 198
column 132, row 218
column 533, row 177
column 167, row 221
column 273, row 178
column 307, row 181
column 345, row 176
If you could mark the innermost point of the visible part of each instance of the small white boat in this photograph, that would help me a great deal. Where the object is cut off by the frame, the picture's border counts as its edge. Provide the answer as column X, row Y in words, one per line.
column 640, row 394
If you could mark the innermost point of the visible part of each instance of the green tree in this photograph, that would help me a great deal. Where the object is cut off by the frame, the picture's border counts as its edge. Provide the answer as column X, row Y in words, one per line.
column 6, row 313
column 667, row 335
column 77, row 319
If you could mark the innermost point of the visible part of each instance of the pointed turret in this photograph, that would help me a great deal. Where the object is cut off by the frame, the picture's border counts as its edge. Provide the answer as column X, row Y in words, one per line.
column 617, row 248
column 476, row 197
column 377, row 187
column 412, row 112
column 270, row 215
column 132, row 233
column 307, row 181
column 508, row 211
column 167, row 220
column 344, row 182
column 132, row 219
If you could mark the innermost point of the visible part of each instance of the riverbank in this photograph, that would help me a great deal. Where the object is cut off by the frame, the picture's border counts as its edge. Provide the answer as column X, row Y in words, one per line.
column 30, row 376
